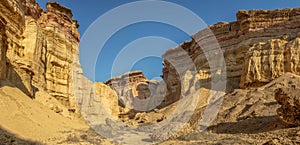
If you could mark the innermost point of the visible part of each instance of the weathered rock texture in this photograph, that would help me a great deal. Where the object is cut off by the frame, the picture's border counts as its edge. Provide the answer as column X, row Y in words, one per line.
column 130, row 80
column 136, row 92
column 260, row 46
column 108, row 98
column 289, row 99
column 38, row 48
column 125, row 86
column 266, row 61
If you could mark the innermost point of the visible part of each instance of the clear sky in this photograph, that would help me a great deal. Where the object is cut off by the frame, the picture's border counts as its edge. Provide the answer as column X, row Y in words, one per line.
column 211, row 12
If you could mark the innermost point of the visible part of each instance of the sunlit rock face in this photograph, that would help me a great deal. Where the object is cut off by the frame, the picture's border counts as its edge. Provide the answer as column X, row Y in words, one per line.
column 129, row 79
column 266, row 61
column 39, row 48
column 136, row 92
column 108, row 98
column 260, row 46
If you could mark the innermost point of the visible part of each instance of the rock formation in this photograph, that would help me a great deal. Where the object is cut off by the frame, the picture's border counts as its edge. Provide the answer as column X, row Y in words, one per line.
column 130, row 79
column 39, row 48
column 266, row 61
column 108, row 98
column 260, row 46
column 134, row 91
column 39, row 56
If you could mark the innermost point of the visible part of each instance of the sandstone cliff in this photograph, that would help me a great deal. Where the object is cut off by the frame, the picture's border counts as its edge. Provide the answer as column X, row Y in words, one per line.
column 39, row 48
column 265, row 61
column 39, row 56
column 260, row 46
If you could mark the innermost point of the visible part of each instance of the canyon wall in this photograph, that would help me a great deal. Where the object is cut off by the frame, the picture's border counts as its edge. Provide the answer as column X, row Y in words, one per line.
column 39, row 52
column 266, row 61
column 260, row 46
column 39, row 48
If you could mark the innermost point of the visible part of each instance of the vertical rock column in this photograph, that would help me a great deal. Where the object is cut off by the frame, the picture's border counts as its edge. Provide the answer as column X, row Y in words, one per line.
column 62, row 41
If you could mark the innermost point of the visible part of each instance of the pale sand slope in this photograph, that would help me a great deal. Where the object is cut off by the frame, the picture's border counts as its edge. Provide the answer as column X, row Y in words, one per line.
column 23, row 118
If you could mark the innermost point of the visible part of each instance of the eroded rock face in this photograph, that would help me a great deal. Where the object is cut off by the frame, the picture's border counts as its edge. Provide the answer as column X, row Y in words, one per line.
column 38, row 48
column 290, row 101
column 130, row 79
column 108, row 98
column 62, row 39
column 136, row 92
column 125, row 86
column 260, row 46
column 266, row 61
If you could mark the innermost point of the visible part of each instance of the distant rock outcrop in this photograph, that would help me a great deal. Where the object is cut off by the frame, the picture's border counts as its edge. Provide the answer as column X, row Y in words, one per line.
column 136, row 92
column 130, row 80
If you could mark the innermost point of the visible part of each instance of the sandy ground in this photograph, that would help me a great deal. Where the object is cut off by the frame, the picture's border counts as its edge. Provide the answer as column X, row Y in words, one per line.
column 33, row 121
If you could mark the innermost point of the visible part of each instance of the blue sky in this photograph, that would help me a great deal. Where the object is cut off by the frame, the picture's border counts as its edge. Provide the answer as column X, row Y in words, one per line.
column 211, row 12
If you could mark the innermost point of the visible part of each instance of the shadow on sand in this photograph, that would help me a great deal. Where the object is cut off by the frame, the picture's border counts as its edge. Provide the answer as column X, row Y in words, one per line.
column 7, row 138
column 250, row 125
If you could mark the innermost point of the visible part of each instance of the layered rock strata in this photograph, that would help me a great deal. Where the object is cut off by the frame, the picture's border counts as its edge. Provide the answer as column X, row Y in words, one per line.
column 136, row 92
column 266, row 61
column 260, row 46
column 38, row 48
column 129, row 79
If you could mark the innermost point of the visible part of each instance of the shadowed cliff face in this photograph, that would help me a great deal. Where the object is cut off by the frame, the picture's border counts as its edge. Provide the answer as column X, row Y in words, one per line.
column 38, row 48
